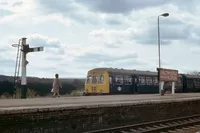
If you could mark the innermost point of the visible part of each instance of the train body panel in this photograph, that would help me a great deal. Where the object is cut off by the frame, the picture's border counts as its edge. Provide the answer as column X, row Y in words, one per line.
column 192, row 83
column 147, row 84
column 97, row 82
column 123, row 81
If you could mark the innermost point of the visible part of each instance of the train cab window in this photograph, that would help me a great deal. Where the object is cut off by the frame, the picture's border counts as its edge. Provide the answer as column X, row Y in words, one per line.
column 142, row 80
column 101, row 79
column 149, row 80
column 98, row 79
column 119, row 80
column 128, row 80
column 94, row 80
column 89, row 80
column 155, row 80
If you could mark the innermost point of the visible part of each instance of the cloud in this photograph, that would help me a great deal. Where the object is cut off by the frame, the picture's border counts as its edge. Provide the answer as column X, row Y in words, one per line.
column 68, row 8
column 4, row 13
column 120, row 6
column 168, row 33
column 37, row 40
column 6, row 62
column 6, row 65
column 80, row 35
column 99, row 57
column 19, row 3
column 3, row 3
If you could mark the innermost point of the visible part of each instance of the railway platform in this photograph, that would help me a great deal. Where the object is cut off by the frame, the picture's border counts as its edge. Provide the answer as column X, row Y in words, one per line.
column 84, row 113
column 9, row 104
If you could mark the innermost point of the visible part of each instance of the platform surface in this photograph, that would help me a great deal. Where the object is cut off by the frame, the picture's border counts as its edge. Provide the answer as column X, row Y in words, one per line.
column 8, row 104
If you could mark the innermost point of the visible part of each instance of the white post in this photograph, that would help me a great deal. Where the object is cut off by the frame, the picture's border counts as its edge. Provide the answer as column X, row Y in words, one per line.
column 173, row 87
column 161, row 86
column 23, row 76
column 23, row 73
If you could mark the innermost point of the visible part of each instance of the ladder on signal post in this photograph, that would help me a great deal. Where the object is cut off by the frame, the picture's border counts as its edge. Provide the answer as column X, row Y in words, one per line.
column 17, row 65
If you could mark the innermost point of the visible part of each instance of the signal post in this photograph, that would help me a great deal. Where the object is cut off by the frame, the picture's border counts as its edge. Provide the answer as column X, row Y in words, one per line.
column 25, row 49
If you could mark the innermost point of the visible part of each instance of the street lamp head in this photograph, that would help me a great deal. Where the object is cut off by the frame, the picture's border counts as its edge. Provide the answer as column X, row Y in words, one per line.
column 165, row 14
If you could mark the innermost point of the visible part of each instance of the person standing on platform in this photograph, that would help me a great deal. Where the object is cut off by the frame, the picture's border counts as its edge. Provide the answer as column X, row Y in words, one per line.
column 56, row 86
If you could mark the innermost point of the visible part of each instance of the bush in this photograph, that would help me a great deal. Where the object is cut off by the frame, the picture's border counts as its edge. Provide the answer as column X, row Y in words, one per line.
column 6, row 95
column 77, row 92
column 31, row 93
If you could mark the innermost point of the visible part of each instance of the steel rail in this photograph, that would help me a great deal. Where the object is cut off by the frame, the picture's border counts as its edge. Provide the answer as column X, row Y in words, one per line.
column 153, row 126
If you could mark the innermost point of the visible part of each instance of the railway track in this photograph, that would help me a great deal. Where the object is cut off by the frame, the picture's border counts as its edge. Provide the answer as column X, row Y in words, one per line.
column 155, row 126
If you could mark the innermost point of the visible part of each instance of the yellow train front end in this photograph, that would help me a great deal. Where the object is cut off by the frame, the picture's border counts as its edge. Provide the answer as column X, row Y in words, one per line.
column 97, row 83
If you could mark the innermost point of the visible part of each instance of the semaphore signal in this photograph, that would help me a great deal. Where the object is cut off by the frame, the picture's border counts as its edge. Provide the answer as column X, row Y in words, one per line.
column 25, row 49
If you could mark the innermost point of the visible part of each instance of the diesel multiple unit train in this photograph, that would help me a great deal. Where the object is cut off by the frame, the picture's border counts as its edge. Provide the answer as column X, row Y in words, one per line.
column 123, row 81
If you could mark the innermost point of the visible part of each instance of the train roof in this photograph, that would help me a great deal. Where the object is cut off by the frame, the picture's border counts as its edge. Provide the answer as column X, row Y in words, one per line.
column 191, row 76
column 125, row 71
column 139, row 72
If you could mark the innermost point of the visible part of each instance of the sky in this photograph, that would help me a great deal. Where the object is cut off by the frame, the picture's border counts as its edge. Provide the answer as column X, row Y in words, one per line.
column 79, row 35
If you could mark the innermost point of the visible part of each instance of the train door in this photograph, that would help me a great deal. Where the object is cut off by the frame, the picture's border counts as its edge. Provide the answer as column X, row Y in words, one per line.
column 135, row 84
column 190, row 85
column 111, row 84
column 128, row 84
column 184, row 82
column 117, row 84
column 132, row 88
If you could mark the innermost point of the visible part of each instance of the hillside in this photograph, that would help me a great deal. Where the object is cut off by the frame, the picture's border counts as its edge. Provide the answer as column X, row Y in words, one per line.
column 42, row 80
column 42, row 86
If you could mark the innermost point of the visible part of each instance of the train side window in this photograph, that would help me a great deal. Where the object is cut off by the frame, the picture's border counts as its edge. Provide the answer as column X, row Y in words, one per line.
column 196, row 83
column 142, row 80
column 155, row 80
column 189, row 83
column 148, row 80
column 136, row 80
column 179, row 82
column 119, row 80
column 110, row 80
column 128, row 80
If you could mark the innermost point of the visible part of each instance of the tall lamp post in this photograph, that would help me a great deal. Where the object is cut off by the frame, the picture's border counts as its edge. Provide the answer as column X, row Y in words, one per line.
column 163, row 15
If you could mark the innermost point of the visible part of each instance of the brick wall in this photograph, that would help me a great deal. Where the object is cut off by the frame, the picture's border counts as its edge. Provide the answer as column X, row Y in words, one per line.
column 65, row 120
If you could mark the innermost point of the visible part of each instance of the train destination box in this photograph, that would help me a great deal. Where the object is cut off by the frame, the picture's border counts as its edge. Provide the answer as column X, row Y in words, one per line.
column 167, row 75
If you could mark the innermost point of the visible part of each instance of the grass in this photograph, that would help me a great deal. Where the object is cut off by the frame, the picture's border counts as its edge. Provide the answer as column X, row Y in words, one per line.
column 6, row 96
column 31, row 93
column 77, row 92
